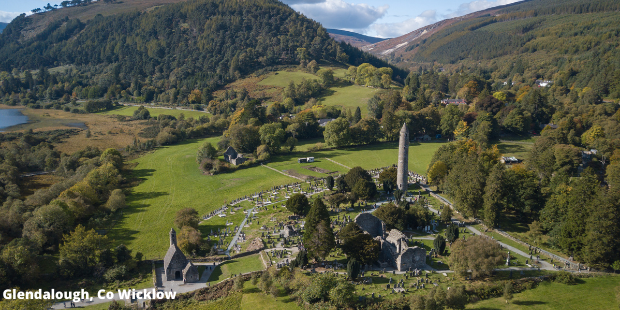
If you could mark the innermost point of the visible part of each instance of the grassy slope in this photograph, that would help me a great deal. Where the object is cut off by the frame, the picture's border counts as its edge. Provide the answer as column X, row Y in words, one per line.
column 236, row 266
column 349, row 96
column 283, row 78
column 172, row 181
column 128, row 111
column 343, row 94
column 253, row 299
column 595, row 293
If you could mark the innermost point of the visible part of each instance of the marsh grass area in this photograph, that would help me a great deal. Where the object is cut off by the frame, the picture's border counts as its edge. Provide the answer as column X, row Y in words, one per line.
column 106, row 130
column 39, row 119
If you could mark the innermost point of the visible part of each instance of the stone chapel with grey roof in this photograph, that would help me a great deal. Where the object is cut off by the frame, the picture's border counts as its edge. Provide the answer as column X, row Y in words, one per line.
column 176, row 265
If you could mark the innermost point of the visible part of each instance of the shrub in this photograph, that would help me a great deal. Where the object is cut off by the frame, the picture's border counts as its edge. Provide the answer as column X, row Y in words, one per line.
column 115, row 273
column 565, row 278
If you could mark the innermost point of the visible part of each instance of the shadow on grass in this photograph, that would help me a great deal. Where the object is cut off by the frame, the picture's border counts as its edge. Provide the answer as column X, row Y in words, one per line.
column 206, row 229
column 528, row 302
column 137, row 197
column 215, row 275
column 512, row 148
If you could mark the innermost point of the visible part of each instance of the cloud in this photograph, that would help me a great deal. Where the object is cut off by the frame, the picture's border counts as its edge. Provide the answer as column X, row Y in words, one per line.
column 391, row 30
column 340, row 14
column 477, row 5
column 291, row 2
column 7, row 17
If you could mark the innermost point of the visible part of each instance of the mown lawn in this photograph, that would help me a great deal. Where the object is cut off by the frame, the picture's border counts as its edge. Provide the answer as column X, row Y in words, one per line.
column 593, row 293
column 154, row 111
column 517, row 149
column 368, row 157
column 236, row 266
column 171, row 181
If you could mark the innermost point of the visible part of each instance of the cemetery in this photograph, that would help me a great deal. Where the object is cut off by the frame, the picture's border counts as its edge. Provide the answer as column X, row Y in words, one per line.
column 276, row 235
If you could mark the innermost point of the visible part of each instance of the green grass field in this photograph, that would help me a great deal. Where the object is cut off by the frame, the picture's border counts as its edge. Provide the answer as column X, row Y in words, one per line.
column 348, row 96
column 172, row 181
column 343, row 94
column 128, row 111
column 593, row 293
column 283, row 78
column 236, row 266
column 368, row 157
column 253, row 299
column 517, row 149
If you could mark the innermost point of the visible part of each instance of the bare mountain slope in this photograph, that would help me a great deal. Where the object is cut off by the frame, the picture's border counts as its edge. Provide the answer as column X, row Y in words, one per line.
column 353, row 38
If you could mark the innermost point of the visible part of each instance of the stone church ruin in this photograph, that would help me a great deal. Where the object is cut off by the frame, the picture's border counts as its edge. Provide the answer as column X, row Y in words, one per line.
column 394, row 249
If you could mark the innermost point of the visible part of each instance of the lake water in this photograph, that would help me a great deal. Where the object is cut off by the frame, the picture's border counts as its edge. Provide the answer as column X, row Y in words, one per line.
column 11, row 117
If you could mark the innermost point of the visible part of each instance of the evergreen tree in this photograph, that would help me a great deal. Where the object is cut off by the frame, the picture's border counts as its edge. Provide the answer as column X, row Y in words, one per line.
column 452, row 233
column 439, row 244
column 357, row 116
column 446, row 214
column 318, row 235
column 494, row 196
column 353, row 268
column 329, row 182
column 298, row 204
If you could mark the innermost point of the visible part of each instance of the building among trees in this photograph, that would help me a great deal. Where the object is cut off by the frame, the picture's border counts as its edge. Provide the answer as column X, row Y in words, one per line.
column 176, row 265
column 233, row 157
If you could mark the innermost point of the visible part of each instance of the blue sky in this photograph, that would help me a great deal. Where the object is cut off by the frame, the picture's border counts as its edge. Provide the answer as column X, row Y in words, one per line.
column 382, row 18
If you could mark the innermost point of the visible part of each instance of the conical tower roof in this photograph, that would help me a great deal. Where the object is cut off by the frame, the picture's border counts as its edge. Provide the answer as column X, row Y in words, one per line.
column 404, row 129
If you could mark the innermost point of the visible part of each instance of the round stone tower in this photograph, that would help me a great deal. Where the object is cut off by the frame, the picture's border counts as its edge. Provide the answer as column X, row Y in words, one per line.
column 402, row 178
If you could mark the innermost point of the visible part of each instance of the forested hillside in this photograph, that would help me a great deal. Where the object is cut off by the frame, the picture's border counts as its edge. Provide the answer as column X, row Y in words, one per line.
column 2, row 26
column 172, row 49
column 574, row 43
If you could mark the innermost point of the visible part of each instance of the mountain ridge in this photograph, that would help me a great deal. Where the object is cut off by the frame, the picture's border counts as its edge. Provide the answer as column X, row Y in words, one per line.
column 388, row 46
column 431, row 43
column 353, row 38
